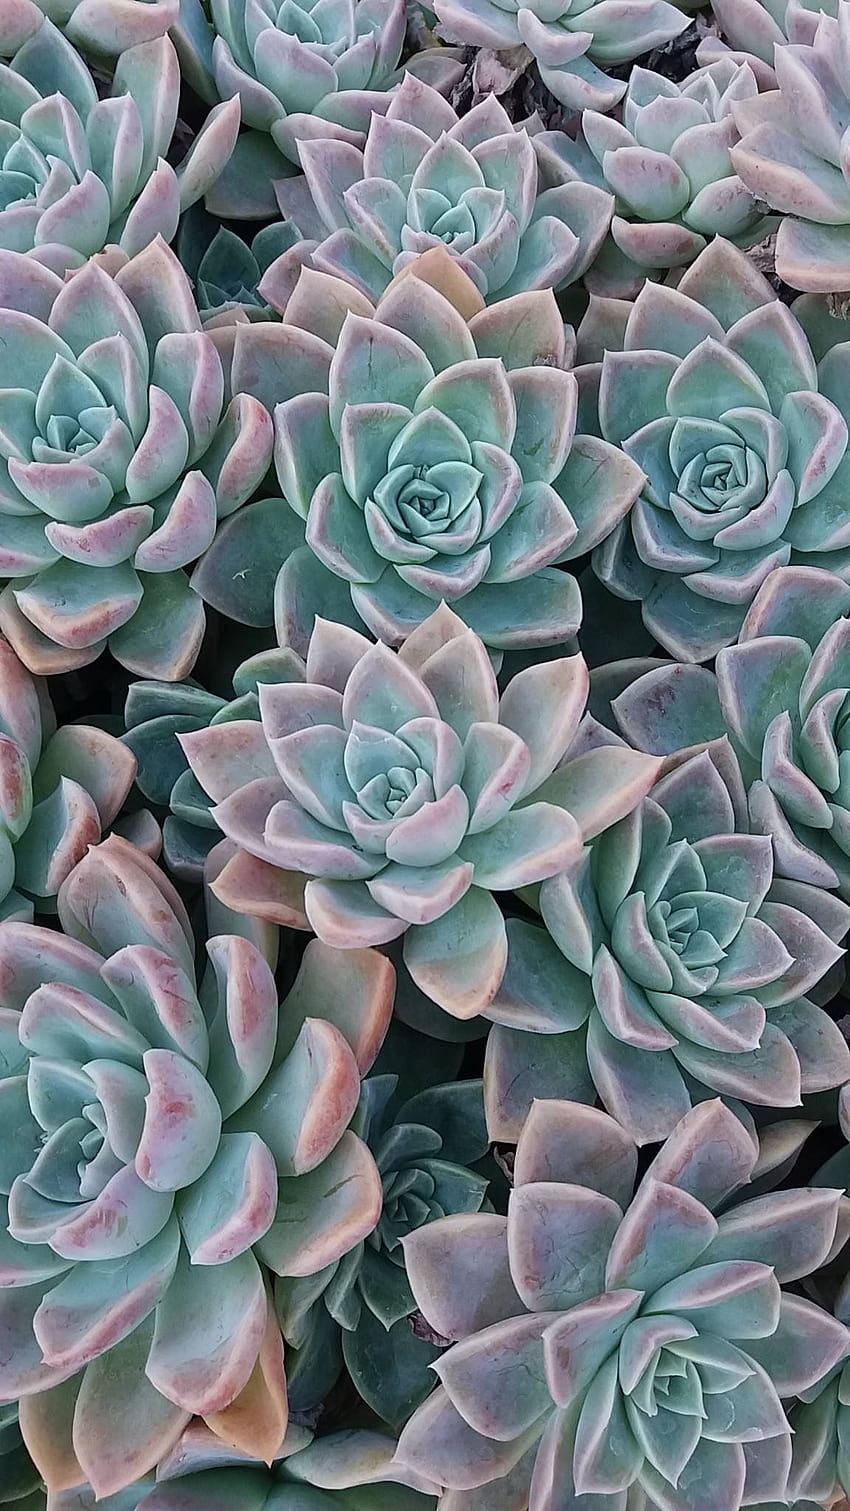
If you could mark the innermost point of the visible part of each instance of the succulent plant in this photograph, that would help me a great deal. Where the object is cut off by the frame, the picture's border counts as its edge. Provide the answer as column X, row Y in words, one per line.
column 300, row 71
column 163, row 1145
column 427, row 178
column 779, row 695
column 117, row 456
column 80, row 173
column 426, row 450
column 59, row 788
column 676, row 962
column 424, row 1150
column 713, row 388
column 568, row 39
column 791, row 155
column 668, row 164
column 754, row 28
column 104, row 28
column 392, row 794
column 604, row 1341
column 21, row 1486
column 225, row 271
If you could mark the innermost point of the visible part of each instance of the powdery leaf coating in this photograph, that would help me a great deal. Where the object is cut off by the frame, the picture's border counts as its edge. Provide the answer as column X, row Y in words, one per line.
column 118, row 456
column 714, row 389
column 153, row 1150
column 657, row 1340
column 407, row 793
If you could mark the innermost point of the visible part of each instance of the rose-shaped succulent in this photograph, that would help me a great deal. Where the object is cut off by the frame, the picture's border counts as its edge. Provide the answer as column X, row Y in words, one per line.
column 104, row 28
column 568, row 39
column 157, row 1154
column 78, row 173
column 424, row 1148
column 225, row 270
column 58, row 790
column 300, row 70
column 609, row 1340
column 468, row 184
column 792, row 155
column 684, row 966
column 754, row 29
column 668, row 164
column 118, row 455
column 392, row 794
column 781, row 695
column 714, row 389
column 426, row 449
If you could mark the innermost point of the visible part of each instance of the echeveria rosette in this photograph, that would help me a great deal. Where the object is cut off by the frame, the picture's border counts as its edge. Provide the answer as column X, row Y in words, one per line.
column 104, row 28
column 79, row 173
column 568, row 39
column 425, row 447
column 392, row 794
column 667, row 162
column 118, row 456
column 59, row 789
column 162, row 1147
column 686, row 967
column 793, row 156
column 426, row 178
column 753, row 29
column 780, row 695
column 225, row 270
column 427, row 1151
column 713, row 388
column 605, row 1340
column 300, row 70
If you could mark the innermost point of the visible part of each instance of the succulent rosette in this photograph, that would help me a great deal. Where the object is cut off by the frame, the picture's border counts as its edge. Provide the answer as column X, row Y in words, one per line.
column 781, row 696
column 568, row 39
column 610, row 1344
column 79, row 173
column 426, row 449
column 713, row 388
column 427, row 1149
column 754, row 28
column 59, row 789
column 792, row 155
column 104, row 28
column 686, row 966
column 225, row 270
column 118, row 455
column 161, row 1149
column 392, row 794
column 427, row 178
column 667, row 162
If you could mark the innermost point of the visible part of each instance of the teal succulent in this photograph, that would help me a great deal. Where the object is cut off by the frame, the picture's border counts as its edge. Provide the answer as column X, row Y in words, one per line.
column 674, row 963
column 780, row 695
column 668, row 164
column 568, row 39
column 79, row 173
column 389, row 795
column 605, row 1341
column 59, row 789
column 225, row 270
column 427, row 178
column 426, row 451
column 714, row 389
column 166, row 1145
column 118, row 456
column 424, row 1149
column 103, row 28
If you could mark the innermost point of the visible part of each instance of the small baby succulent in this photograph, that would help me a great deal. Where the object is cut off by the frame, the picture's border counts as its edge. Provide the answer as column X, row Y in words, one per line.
column 668, row 164
column 427, row 178
column 426, row 451
column 568, row 39
column 792, row 155
column 713, row 388
column 392, row 794
column 118, row 456
column 165, row 1145
column 79, row 173
column 608, row 1343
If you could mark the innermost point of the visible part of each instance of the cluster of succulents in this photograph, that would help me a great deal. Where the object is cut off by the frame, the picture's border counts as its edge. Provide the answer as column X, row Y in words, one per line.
column 424, row 755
